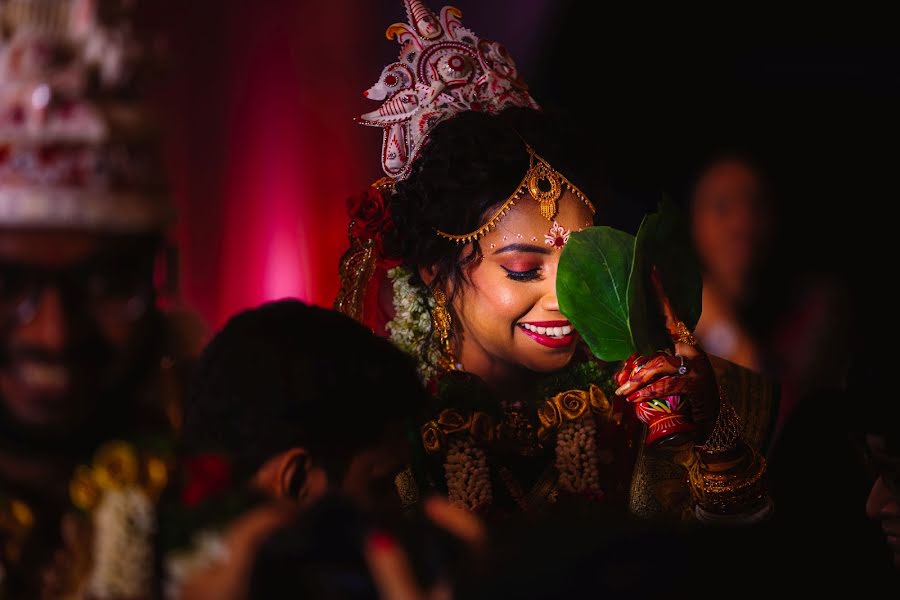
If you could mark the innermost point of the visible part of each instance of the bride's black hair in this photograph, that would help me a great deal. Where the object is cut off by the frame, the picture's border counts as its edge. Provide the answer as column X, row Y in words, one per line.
column 470, row 166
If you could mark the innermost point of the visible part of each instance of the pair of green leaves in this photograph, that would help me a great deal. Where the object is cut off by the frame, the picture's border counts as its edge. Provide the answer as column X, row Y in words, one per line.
column 604, row 288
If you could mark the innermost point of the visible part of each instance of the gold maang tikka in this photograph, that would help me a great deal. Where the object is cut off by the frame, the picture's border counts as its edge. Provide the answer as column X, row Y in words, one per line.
column 543, row 183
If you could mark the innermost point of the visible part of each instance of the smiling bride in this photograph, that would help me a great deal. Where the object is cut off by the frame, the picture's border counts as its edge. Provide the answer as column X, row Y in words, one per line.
column 454, row 255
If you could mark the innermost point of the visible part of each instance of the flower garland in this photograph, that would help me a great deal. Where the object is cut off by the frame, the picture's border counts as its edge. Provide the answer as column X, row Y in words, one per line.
column 576, row 457
column 570, row 417
column 119, row 490
column 410, row 329
column 466, row 471
column 467, row 475
column 194, row 519
column 16, row 523
column 124, row 523
column 465, row 428
column 207, row 549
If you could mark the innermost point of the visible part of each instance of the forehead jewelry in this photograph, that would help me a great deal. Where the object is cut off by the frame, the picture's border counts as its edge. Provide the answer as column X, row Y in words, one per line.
column 543, row 183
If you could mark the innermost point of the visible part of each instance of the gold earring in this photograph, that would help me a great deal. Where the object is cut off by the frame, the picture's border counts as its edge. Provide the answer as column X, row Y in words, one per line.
column 441, row 321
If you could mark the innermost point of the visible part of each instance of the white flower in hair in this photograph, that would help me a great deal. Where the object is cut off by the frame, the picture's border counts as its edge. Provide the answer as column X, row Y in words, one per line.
column 411, row 326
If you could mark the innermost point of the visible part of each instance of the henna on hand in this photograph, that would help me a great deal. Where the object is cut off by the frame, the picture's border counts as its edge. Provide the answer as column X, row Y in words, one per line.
column 642, row 379
column 656, row 377
column 624, row 372
column 657, row 366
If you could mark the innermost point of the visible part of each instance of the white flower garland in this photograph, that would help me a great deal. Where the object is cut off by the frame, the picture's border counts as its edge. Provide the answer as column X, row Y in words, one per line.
column 207, row 549
column 124, row 522
column 467, row 475
column 576, row 456
column 411, row 326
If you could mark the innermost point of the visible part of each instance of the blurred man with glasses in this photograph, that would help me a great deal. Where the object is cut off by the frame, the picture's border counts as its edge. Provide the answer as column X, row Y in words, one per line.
column 85, row 355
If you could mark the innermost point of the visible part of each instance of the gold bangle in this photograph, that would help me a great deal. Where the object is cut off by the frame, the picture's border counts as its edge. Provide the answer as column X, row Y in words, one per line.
column 683, row 335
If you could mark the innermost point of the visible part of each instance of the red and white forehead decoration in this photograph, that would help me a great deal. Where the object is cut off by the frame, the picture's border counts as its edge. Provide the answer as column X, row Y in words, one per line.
column 444, row 69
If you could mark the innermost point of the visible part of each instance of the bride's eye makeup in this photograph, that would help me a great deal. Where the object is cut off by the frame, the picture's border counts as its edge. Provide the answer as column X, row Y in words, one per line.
column 522, row 274
column 527, row 265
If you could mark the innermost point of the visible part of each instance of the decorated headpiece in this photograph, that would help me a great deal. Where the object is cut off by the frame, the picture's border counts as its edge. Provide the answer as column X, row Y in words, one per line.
column 77, row 150
column 444, row 69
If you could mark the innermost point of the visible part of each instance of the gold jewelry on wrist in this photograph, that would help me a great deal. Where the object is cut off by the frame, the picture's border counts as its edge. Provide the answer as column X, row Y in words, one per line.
column 726, row 433
column 683, row 335
column 727, row 476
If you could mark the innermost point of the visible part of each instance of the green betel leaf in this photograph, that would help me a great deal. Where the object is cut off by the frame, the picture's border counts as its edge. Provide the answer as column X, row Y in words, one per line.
column 591, row 286
column 663, row 241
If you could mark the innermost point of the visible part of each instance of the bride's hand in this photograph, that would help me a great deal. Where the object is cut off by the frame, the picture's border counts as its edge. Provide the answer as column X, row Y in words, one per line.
column 687, row 372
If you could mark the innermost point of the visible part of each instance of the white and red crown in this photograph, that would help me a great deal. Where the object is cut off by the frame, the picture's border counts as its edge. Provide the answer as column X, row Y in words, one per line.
column 444, row 69
column 77, row 150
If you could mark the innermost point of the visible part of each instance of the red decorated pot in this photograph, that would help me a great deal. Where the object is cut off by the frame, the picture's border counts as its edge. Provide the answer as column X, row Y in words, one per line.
column 666, row 418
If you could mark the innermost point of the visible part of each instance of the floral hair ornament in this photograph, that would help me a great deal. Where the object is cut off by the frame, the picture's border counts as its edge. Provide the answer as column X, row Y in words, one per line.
column 444, row 69
column 195, row 520
column 365, row 264
column 544, row 184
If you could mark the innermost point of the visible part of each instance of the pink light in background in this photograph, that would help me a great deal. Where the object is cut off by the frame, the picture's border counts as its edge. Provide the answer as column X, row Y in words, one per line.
column 265, row 151
column 265, row 192
column 263, row 147
column 285, row 275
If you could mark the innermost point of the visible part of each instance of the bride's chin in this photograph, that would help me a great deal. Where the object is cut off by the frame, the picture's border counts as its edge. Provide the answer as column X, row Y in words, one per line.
column 548, row 364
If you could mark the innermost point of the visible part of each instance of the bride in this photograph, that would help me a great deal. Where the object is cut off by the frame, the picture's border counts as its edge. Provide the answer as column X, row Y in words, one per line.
column 454, row 255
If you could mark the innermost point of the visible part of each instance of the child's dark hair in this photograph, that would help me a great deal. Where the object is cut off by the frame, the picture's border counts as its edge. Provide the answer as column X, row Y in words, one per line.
column 287, row 375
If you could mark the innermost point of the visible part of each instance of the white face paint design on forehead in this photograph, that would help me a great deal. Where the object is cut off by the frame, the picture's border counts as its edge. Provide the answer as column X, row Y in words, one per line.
column 557, row 237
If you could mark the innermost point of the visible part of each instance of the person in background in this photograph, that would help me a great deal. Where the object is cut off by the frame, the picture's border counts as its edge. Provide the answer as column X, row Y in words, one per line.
column 294, row 396
column 732, row 228
column 833, row 436
column 881, row 453
column 88, row 363
column 291, row 405
column 334, row 551
column 464, row 235
column 768, row 304
column 883, row 504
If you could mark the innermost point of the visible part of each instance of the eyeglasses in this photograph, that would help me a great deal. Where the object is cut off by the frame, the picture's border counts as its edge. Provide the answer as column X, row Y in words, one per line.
column 117, row 288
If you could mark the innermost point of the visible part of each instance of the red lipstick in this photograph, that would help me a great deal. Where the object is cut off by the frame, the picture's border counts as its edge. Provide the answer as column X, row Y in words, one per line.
column 546, row 340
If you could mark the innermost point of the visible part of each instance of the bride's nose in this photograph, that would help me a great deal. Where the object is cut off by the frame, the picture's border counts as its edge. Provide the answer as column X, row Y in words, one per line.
column 549, row 302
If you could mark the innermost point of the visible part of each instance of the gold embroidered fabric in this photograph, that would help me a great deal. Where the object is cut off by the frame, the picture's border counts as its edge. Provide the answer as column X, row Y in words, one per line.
column 729, row 485
column 357, row 268
column 405, row 482
column 659, row 485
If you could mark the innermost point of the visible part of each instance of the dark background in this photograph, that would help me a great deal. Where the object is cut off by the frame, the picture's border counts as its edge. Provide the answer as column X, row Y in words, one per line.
column 819, row 114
